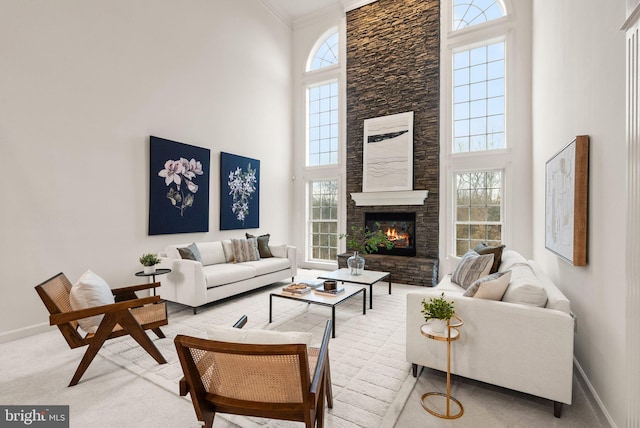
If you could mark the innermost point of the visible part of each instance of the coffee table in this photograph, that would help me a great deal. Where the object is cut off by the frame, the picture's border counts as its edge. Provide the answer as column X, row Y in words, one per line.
column 368, row 277
column 322, row 300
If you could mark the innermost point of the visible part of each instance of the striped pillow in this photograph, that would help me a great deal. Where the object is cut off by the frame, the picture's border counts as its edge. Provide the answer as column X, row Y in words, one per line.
column 471, row 267
column 245, row 250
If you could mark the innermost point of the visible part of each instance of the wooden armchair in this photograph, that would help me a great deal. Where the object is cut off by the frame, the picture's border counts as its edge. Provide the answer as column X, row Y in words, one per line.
column 130, row 315
column 287, row 382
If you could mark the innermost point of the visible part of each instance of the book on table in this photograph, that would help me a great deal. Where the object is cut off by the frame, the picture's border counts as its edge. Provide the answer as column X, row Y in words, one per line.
column 334, row 292
column 296, row 289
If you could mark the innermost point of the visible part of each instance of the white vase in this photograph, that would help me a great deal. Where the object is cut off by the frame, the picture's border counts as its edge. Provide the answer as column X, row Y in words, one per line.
column 150, row 269
column 438, row 325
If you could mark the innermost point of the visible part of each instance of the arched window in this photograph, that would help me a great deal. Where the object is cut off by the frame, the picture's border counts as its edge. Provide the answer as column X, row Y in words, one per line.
column 477, row 70
column 473, row 12
column 326, row 54
column 322, row 94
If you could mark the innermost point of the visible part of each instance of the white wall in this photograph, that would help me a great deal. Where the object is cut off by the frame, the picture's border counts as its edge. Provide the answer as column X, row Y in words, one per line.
column 579, row 88
column 83, row 83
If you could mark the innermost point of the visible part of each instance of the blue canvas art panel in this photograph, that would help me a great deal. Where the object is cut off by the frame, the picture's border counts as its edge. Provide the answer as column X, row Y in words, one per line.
column 178, row 187
column 239, row 192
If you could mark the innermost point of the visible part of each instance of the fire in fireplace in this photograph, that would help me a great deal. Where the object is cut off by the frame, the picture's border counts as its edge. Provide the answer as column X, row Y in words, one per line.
column 400, row 229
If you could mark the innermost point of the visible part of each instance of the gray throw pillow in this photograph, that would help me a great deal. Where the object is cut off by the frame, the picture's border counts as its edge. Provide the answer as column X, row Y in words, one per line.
column 483, row 248
column 263, row 245
column 190, row 252
column 471, row 267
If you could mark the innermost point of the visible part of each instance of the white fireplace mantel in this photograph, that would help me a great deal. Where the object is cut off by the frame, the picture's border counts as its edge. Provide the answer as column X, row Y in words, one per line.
column 406, row 197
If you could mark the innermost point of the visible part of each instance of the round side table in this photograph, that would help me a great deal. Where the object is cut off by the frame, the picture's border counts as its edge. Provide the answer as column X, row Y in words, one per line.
column 153, row 275
column 450, row 334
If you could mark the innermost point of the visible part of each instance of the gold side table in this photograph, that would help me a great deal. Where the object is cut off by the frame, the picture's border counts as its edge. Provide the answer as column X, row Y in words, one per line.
column 450, row 334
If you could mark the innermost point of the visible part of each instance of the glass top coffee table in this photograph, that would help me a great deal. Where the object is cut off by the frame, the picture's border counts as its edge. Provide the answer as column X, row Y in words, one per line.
column 324, row 300
column 368, row 277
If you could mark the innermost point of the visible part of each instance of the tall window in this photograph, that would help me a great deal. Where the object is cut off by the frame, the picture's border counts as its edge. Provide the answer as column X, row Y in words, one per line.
column 322, row 89
column 477, row 102
column 324, row 219
column 323, row 124
column 478, row 209
column 478, row 98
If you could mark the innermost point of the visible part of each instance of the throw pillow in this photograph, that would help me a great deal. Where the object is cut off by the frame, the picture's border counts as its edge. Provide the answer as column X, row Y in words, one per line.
column 490, row 287
column 90, row 291
column 471, row 267
column 227, row 247
column 263, row 245
column 190, row 252
column 483, row 248
column 245, row 250
column 256, row 336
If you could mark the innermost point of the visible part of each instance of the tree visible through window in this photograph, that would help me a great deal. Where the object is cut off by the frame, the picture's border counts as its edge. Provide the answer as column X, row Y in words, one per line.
column 324, row 220
column 478, row 209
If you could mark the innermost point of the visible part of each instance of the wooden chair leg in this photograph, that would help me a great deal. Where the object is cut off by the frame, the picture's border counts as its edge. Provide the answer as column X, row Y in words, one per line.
column 104, row 330
column 329, row 389
column 131, row 326
column 159, row 333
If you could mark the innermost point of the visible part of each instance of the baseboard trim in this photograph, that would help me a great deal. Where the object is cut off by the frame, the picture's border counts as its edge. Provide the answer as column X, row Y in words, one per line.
column 23, row 332
column 594, row 394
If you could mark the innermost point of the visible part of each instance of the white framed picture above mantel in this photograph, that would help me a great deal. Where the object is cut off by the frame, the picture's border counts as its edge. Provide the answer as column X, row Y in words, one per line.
column 388, row 153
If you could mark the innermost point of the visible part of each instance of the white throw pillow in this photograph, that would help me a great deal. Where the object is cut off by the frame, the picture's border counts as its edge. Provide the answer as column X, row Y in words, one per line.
column 90, row 291
column 257, row 337
column 490, row 287
column 471, row 267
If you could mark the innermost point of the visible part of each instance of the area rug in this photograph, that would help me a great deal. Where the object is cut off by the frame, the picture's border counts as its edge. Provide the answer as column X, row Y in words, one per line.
column 370, row 375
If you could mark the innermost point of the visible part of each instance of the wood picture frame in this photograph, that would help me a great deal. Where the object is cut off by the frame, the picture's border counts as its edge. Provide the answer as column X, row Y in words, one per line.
column 566, row 202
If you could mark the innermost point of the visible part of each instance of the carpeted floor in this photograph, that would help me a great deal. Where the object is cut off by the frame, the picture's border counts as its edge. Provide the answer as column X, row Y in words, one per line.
column 37, row 369
column 371, row 379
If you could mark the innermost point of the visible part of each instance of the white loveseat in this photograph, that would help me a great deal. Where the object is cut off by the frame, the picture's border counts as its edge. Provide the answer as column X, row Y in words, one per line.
column 195, row 283
column 513, row 345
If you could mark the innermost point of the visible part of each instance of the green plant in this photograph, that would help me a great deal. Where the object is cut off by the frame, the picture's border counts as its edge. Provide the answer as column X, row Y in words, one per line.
column 437, row 307
column 363, row 240
column 149, row 259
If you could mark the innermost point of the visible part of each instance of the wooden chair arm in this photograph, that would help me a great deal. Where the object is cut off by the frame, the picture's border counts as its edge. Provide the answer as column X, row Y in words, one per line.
column 66, row 317
column 134, row 288
column 183, row 385
column 322, row 357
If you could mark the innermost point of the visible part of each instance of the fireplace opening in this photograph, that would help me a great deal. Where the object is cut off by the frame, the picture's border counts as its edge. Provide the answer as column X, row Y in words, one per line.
column 400, row 228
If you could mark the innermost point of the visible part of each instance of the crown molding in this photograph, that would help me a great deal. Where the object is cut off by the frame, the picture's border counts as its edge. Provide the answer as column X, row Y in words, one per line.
column 355, row 4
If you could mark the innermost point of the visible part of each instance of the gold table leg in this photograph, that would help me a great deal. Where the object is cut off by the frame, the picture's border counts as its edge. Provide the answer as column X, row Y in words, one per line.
column 449, row 399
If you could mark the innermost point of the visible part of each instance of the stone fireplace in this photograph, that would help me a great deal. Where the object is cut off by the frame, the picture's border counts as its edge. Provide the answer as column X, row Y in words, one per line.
column 393, row 65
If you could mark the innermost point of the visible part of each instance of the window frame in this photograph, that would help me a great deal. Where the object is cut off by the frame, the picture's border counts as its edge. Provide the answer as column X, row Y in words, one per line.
column 498, row 30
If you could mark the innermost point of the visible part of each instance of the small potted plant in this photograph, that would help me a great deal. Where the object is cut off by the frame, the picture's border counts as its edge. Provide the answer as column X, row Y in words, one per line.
column 363, row 240
column 149, row 261
column 439, row 310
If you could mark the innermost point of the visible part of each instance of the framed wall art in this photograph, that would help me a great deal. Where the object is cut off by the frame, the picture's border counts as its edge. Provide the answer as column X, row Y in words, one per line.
column 566, row 202
column 388, row 153
column 178, row 187
column 239, row 192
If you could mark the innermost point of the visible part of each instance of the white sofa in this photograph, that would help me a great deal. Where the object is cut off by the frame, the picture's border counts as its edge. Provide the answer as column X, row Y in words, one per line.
column 513, row 345
column 195, row 283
